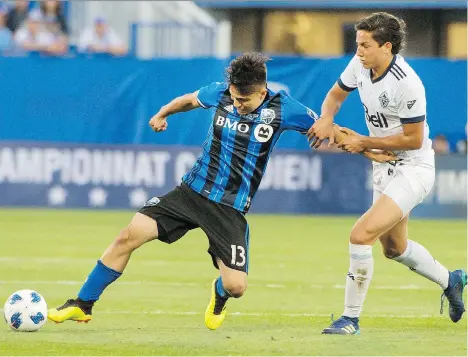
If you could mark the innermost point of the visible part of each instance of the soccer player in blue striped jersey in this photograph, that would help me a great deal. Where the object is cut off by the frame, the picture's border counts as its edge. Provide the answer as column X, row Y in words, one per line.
column 247, row 119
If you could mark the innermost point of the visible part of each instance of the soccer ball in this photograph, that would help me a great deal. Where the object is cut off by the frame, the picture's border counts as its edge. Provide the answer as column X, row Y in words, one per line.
column 25, row 311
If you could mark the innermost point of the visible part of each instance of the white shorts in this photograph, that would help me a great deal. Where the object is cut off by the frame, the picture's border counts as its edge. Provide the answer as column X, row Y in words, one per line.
column 406, row 183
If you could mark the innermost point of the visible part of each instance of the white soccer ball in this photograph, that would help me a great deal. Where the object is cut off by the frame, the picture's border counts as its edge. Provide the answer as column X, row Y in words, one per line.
column 25, row 311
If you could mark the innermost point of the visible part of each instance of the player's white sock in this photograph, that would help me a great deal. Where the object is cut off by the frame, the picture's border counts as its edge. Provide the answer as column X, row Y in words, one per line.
column 419, row 260
column 361, row 268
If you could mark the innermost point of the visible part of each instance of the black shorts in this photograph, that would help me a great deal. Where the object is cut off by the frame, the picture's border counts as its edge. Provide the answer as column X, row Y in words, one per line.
column 182, row 209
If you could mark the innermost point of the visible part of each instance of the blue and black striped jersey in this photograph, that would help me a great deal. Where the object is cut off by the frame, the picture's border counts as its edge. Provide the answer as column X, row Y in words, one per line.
column 236, row 151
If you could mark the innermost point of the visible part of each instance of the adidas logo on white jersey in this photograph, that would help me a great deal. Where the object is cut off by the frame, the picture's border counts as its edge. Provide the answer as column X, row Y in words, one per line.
column 410, row 103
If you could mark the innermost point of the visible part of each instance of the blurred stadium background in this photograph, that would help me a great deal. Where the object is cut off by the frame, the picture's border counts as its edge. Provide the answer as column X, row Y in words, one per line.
column 76, row 150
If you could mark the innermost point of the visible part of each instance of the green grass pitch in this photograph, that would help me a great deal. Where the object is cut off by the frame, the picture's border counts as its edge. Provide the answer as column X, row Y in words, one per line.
column 297, row 273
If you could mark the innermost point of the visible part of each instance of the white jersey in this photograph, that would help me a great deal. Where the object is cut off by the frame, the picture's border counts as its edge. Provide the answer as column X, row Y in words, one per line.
column 395, row 98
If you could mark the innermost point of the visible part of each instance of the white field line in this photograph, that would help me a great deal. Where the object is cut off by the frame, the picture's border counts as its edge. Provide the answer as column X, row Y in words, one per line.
column 249, row 314
column 192, row 284
column 257, row 314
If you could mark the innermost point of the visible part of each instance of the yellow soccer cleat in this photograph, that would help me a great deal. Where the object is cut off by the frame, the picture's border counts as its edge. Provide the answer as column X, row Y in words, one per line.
column 72, row 310
column 216, row 310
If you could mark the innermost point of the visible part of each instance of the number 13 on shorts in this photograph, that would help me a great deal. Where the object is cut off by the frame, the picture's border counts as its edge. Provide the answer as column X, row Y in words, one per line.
column 237, row 255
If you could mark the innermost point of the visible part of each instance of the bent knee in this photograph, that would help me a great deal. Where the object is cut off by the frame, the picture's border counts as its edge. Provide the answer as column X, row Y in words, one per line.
column 127, row 240
column 141, row 229
column 124, row 237
column 235, row 289
column 363, row 236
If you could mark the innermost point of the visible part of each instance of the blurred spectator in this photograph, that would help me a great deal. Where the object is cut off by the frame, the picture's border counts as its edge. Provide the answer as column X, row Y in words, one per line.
column 462, row 146
column 53, row 16
column 441, row 145
column 55, row 22
column 17, row 15
column 6, row 37
column 35, row 37
column 101, row 38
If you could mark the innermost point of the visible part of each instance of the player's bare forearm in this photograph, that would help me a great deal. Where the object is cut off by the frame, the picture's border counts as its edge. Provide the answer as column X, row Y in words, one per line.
column 330, row 107
column 184, row 103
column 333, row 101
column 411, row 139
column 180, row 104
column 323, row 128
column 393, row 142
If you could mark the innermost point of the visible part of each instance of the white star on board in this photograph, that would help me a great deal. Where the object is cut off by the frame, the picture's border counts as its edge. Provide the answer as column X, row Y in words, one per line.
column 97, row 197
column 137, row 197
column 57, row 196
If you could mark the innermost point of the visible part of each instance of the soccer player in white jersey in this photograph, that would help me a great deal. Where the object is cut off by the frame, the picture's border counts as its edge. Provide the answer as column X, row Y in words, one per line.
column 394, row 103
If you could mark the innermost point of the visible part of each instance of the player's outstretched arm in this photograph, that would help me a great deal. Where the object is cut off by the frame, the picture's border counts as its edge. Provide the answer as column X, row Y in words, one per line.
column 411, row 139
column 180, row 104
column 323, row 127
column 342, row 134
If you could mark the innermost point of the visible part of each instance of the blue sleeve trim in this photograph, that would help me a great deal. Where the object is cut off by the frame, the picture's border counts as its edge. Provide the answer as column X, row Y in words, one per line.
column 413, row 120
column 343, row 86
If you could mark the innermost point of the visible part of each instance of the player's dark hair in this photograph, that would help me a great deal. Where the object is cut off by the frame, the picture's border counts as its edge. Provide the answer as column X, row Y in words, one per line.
column 247, row 71
column 385, row 28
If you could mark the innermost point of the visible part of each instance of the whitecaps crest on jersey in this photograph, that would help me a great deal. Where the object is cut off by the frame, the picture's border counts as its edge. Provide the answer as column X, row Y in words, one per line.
column 383, row 99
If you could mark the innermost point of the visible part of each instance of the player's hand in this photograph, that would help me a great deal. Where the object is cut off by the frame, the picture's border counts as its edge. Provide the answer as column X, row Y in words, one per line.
column 158, row 123
column 321, row 130
column 352, row 143
column 380, row 155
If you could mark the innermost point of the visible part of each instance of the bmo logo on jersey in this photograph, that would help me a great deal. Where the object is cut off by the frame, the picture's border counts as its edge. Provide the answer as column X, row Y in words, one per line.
column 263, row 132
column 233, row 125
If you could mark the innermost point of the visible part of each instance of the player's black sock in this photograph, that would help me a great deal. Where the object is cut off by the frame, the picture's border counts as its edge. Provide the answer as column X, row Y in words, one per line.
column 222, row 296
column 86, row 306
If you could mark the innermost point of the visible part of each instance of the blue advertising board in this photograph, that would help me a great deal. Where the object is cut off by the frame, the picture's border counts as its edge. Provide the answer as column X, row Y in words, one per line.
column 125, row 176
